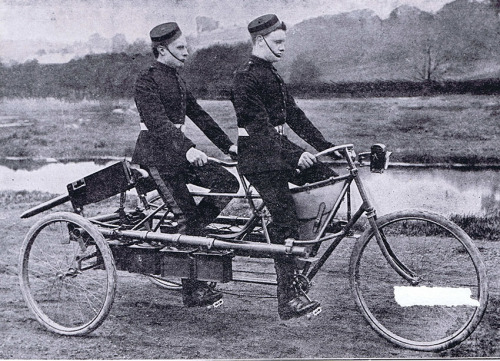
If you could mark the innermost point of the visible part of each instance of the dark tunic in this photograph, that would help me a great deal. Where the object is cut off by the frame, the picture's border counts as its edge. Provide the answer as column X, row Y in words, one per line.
column 261, row 101
column 163, row 100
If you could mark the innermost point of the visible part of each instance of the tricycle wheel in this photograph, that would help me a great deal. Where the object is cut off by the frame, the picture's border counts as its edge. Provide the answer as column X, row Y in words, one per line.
column 67, row 274
column 154, row 199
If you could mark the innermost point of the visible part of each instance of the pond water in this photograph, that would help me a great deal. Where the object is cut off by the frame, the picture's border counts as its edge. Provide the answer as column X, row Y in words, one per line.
column 441, row 190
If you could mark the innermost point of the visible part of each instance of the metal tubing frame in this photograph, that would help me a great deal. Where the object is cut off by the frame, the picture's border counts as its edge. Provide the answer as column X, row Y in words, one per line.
column 295, row 248
column 367, row 206
column 241, row 247
column 348, row 180
column 326, row 254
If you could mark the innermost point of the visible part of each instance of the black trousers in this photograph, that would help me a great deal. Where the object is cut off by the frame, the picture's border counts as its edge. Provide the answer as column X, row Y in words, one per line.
column 274, row 190
column 211, row 176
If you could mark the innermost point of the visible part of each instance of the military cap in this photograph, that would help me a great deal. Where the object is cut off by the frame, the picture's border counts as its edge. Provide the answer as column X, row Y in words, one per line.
column 265, row 24
column 165, row 32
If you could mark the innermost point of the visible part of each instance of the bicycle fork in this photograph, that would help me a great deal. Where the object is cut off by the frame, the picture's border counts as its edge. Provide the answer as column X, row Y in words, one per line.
column 384, row 246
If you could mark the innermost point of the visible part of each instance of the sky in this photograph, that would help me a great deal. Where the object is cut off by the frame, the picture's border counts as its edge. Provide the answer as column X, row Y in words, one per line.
column 76, row 20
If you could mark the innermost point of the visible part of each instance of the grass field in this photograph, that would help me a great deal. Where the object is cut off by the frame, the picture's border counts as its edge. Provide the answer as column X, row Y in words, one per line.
column 150, row 323
column 451, row 129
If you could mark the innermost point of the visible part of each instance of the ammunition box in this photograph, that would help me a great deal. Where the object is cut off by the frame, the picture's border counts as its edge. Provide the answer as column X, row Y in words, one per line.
column 101, row 185
column 177, row 262
column 137, row 259
column 213, row 266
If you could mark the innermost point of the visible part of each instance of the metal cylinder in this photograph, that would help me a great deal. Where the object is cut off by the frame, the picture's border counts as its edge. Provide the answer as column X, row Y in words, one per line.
column 207, row 242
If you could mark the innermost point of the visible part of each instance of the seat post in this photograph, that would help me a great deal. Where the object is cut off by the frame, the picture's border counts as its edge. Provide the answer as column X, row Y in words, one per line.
column 121, row 209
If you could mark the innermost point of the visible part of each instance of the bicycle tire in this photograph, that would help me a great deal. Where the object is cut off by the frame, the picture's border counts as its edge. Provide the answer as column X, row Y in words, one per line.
column 67, row 274
column 420, row 317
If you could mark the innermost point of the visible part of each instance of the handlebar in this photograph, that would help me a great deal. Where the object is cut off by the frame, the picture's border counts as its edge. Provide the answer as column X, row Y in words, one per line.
column 378, row 158
column 334, row 149
column 324, row 152
column 222, row 162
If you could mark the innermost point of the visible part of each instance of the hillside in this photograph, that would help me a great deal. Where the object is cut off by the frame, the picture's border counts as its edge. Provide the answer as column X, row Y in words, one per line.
column 459, row 42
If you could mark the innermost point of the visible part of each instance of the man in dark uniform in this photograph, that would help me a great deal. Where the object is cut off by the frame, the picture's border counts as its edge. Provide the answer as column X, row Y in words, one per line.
column 266, row 157
column 172, row 159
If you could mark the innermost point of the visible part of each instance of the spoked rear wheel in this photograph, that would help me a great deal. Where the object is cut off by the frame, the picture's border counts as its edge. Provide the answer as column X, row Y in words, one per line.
column 447, row 302
column 67, row 274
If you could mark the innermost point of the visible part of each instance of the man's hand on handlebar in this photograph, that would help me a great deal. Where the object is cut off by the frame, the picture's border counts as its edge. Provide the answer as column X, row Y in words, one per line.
column 196, row 157
column 307, row 160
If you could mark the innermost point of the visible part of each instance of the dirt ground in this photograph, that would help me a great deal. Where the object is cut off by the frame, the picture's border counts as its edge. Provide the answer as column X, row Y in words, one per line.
column 147, row 322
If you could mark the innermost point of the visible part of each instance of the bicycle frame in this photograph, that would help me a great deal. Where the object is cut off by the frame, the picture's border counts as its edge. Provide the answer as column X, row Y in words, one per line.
column 366, row 207
column 235, row 241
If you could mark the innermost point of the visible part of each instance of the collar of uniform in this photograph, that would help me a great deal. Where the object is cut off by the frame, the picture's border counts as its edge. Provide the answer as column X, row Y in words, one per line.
column 259, row 61
column 165, row 67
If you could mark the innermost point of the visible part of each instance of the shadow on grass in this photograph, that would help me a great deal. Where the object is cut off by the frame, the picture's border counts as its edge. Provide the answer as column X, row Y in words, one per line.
column 485, row 338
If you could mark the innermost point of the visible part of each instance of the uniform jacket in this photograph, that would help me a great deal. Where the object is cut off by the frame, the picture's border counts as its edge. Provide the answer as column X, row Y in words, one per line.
column 163, row 100
column 262, row 102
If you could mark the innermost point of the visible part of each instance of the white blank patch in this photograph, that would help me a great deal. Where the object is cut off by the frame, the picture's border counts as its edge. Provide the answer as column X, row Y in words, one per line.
column 407, row 296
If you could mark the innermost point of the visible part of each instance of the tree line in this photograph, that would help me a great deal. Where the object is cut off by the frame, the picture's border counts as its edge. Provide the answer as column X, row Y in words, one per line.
column 209, row 73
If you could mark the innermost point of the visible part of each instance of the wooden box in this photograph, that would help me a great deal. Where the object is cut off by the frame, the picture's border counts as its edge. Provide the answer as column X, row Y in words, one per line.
column 213, row 266
column 107, row 182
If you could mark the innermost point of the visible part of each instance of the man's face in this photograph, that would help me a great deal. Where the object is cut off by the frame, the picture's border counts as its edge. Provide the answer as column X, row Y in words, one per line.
column 276, row 45
column 178, row 52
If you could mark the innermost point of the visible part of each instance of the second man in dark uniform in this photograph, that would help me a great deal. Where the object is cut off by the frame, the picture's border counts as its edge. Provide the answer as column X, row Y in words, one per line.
column 267, row 158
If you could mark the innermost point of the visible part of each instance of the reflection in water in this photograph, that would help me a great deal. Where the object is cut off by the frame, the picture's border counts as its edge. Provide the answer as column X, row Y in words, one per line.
column 51, row 178
column 441, row 190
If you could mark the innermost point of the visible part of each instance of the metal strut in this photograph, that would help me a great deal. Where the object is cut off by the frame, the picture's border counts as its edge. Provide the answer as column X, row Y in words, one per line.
column 206, row 242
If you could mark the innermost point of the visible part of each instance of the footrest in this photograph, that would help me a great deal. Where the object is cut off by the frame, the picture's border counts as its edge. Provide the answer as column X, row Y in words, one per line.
column 316, row 311
column 216, row 304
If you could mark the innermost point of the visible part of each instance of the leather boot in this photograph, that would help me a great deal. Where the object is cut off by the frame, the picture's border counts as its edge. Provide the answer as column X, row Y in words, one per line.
column 199, row 293
column 290, row 303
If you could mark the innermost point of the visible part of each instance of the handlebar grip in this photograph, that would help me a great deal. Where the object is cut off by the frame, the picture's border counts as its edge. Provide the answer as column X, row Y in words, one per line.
column 333, row 149
column 222, row 162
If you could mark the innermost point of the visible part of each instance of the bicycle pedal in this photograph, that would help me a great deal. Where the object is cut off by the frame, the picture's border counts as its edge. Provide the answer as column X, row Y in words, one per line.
column 216, row 304
column 314, row 312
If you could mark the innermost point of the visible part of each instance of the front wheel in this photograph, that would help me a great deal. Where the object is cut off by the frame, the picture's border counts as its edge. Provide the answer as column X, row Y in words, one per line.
column 67, row 274
column 448, row 295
